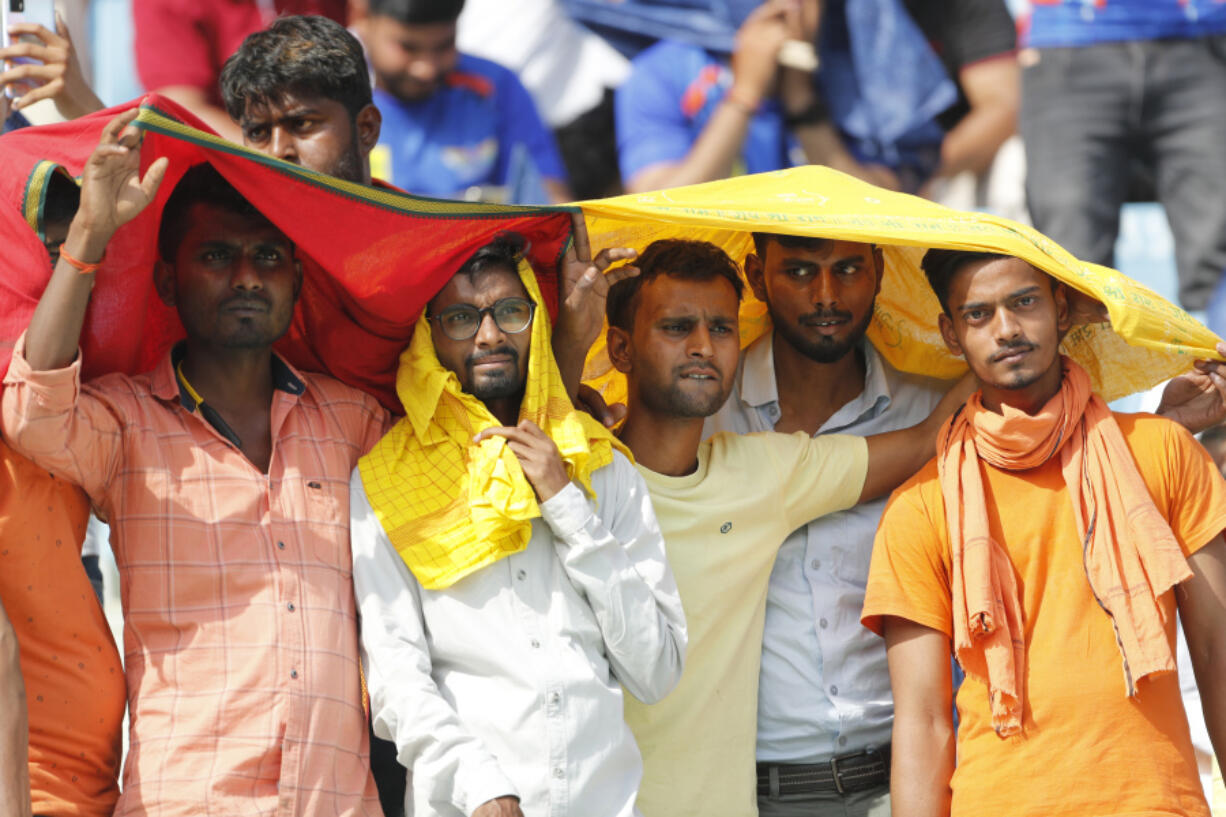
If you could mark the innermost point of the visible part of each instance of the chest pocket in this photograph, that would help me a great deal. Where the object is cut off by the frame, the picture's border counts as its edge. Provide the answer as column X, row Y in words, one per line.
column 326, row 522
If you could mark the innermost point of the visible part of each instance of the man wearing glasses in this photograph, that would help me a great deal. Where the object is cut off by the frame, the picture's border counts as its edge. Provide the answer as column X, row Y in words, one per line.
column 508, row 567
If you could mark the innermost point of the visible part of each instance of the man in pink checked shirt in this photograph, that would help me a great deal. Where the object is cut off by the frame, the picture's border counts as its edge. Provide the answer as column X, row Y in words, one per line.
column 223, row 472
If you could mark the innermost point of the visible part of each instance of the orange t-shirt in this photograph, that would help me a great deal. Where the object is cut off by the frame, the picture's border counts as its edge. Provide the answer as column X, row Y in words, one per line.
column 1086, row 748
column 74, row 680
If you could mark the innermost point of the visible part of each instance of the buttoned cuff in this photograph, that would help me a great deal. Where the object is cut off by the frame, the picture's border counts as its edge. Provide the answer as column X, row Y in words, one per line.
column 53, row 389
column 567, row 512
column 481, row 784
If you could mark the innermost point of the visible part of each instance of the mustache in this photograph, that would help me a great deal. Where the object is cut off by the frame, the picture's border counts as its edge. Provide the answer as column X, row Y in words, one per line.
column 826, row 315
column 501, row 351
column 246, row 299
column 699, row 368
column 1012, row 348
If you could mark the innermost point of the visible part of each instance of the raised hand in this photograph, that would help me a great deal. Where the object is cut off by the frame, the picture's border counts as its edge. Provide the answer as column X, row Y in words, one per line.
column 57, row 74
column 112, row 190
column 537, row 454
column 1197, row 400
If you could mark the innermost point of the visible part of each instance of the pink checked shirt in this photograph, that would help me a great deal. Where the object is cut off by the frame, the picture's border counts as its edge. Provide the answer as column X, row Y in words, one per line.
column 240, row 635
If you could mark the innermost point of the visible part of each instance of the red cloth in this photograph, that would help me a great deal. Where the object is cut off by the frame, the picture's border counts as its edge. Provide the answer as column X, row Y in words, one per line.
column 185, row 42
column 372, row 257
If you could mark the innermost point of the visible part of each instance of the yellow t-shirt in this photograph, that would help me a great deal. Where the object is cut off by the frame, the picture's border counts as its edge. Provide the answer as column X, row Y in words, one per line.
column 723, row 526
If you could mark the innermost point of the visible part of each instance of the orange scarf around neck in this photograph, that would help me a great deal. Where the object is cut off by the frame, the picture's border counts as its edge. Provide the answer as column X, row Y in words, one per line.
column 1131, row 556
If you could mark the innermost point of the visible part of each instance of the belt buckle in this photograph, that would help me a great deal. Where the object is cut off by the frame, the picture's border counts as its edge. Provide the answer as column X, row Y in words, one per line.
column 834, row 766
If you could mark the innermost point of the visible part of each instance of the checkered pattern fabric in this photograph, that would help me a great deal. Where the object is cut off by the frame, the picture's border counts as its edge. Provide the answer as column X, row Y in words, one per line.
column 240, row 631
column 451, row 507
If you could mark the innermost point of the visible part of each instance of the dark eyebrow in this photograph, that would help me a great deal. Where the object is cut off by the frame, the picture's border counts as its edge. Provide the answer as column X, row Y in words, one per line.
column 1019, row 293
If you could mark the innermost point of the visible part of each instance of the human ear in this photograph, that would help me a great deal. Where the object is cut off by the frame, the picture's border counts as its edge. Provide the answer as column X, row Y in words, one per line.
column 617, row 346
column 946, row 326
column 879, row 263
column 1064, row 320
column 755, row 273
column 369, row 123
column 164, row 282
column 297, row 278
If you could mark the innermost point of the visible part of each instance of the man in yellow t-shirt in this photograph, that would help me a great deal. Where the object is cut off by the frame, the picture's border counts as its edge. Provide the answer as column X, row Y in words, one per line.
column 724, row 506
column 1051, row 542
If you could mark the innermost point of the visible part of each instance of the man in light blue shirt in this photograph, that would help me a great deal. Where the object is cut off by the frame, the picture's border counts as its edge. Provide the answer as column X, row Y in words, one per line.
column 824, row 692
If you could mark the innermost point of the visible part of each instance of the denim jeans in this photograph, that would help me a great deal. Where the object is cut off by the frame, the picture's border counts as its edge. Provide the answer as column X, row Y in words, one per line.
column 1087, row 112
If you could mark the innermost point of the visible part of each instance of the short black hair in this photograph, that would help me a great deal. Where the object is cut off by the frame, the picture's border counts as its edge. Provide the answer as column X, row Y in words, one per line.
column 417, row 12
column 502, row 253
column 803, row 242
column 201, row 184
column 676, row 258
column 942, row 265
column 301, row 54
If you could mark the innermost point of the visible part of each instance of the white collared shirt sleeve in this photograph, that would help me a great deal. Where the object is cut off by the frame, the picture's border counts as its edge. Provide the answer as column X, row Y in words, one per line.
column 406, row 705
column 616, row 560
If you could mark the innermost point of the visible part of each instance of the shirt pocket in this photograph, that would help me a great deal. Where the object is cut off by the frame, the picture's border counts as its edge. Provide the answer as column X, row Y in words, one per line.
column 325, row 523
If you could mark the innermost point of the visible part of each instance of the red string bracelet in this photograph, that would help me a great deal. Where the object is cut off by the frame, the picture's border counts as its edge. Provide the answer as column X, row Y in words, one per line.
column 80, row 266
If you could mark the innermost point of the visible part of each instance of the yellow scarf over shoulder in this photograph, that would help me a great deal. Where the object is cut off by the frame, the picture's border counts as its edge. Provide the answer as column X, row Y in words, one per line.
column 449, row 506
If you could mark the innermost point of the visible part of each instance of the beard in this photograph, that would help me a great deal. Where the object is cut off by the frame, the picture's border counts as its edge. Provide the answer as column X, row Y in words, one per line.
column 821, row 349
column 674, row 401
column 497, row 385
column 348, row 165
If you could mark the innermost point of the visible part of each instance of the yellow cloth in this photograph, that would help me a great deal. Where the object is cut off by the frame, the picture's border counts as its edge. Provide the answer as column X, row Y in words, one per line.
column 723, row 525
column 1147, row 341
column 450, row 506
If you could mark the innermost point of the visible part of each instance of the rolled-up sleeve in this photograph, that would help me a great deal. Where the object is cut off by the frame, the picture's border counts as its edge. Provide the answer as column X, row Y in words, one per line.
column 616, row 559
column 48, row 418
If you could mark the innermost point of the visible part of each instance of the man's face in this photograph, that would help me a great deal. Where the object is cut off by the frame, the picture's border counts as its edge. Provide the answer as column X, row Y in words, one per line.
column 314, row 132
column 682, row 351
column 234, row 279
column 409, row 61
column 492, row 364
column 55, row 233
column 1006, row 318
column 820, row 299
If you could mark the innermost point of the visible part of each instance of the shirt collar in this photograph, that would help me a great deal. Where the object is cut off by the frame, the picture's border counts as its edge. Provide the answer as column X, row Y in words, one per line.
column 167, row 387
column 760, row 389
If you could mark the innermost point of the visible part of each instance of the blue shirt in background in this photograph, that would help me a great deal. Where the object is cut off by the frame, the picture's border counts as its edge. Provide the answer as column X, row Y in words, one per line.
column 671, row 94
column 1072, row 23
column 478, row 129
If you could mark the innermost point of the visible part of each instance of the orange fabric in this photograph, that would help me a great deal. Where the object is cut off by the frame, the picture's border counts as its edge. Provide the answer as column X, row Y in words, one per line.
column 1131, row 556
column 1085, row 749
column 73, row 678
column 240, row 627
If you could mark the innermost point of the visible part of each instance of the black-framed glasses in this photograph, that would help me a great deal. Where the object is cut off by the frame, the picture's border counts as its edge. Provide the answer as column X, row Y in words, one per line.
column 461, row 321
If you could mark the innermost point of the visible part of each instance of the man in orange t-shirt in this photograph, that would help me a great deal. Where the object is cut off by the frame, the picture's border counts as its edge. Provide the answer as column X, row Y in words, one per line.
column 74, row 680
column 1085, row 737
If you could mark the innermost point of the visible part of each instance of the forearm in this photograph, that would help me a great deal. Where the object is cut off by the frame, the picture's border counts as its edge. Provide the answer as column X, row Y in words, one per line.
column 571, row 359
column 55, row 328
column 973, row 142
column 14, row 731
column 711, row 156
column 629, row 588
column 922, row 766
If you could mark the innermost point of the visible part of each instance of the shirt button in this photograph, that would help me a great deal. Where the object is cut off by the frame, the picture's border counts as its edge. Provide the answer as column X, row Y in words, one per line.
column 555, row 699
column 521, row 575
column 559, row 773
column 293, row 674
column 535, row 644
column 834, row 690
column 823, row 623
column 816, row 564
column 290, row 607
column 280, row 546
column 843, row 740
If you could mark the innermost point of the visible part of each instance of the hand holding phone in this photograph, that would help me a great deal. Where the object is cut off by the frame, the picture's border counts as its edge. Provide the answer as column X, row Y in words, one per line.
column 26, row 15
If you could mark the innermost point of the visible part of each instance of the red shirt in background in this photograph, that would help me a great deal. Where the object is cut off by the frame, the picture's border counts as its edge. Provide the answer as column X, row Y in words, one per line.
column 185, row 42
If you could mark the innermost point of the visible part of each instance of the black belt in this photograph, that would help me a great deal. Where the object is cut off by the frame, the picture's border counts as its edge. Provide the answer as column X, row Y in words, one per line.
column 843, row 774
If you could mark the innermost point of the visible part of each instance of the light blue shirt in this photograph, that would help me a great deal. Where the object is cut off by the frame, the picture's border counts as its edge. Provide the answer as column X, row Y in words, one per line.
column 824, row 688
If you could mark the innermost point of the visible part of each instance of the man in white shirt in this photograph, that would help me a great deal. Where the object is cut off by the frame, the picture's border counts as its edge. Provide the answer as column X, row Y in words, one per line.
column 499, row 675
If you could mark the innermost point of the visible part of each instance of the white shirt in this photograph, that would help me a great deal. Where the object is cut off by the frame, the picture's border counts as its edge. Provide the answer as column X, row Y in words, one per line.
column 507, row 682
column 565, row 67
column 824, row 688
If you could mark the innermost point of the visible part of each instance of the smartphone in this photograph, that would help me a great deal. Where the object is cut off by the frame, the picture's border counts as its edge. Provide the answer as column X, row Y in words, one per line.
column 24, row 11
